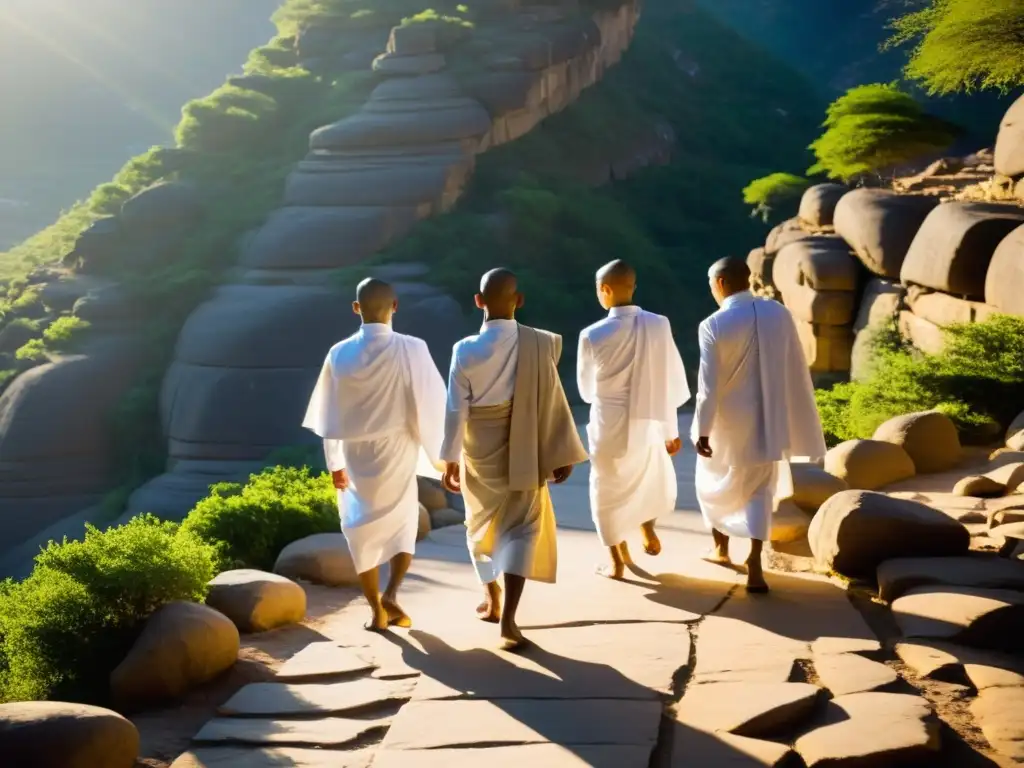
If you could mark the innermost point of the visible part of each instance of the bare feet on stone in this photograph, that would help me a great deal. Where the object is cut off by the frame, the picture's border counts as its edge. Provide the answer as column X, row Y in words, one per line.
column 378, row 619
column 490, row 609
column 652, row 544
column 511, row 638
column 396, row 616
column 718, row 556
column 755, row 578
column 619, row 555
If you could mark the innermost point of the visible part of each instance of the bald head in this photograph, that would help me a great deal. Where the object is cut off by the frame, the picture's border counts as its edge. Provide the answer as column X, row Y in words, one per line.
column 731, row 273
column 375, row 300
column 616, row 284
column 499, row 294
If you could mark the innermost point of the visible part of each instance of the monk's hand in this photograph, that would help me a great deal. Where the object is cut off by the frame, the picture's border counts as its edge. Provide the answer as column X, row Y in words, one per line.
column 451, row 480
column 673, row 446
column 562, row 474
column 340, row 478
column 703, row 447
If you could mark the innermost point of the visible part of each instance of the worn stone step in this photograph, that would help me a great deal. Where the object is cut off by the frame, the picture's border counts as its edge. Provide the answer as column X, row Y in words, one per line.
column 327, row 732
column 279, row 699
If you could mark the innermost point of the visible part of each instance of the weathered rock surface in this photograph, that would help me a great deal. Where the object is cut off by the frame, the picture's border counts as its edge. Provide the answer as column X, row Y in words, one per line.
column 923, row 334
column 820, row 263
column 283, row 699
column 984, row 618
column 880, row 226
column 979, row 486
column 872, row 729
column 818, row 204
column 954, row 246
column 846, row 673
column 929, row 438
column 322, row 559
column 813, row 486
column 235, row 757
column 257, row 601
column 998, row 712
column 1015, row 434
column 855, row 531
column 756, row 710
column 553, row 755
column 52, row 734
column 869, row 464
column 724, row 750
column 878, row 311
column 332, row 732
column 826, row 348
column 181, row 646
column 1004, row 282
column 761, row 267
column 324, row 659
column 1010, row 534
column 897, row 577
column 1009, row 153
column 789, row 523
column 943, row 310
column 163, row 208
column 782, row 235
column 1010, row 476
column 821, row 308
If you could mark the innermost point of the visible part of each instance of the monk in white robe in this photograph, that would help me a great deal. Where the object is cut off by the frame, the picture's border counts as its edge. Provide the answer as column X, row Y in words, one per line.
column 755, row 410
column 631, row 373
column 379, row 407
column 508, row 431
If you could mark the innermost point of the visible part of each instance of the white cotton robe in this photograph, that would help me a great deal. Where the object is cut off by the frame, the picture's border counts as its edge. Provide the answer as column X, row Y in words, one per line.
column 631, row 373
column 379, row 407
column 755, row 404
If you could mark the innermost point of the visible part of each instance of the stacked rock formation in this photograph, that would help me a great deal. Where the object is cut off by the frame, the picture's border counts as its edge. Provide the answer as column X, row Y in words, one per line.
column 247, row 358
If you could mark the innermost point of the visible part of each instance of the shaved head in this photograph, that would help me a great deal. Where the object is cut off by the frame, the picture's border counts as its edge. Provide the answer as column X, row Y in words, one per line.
column 376, row 300
column 617, row 274
column 499, row 294
column 733, row 272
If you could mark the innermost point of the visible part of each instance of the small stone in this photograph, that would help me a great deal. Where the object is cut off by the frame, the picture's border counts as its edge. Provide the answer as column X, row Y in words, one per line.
column 278, row 699
column 1010, row 476
column 329, row 732
column 979, row 486
column 256, row 601
column 897, row 577
column 999, row 713
column 845, row 673
column 322, row 558
column 755, row 710
column 869, row 464
column 323, row 660
column 930, row 439
column 53, row 734
column 813, row 486
column 982, row 618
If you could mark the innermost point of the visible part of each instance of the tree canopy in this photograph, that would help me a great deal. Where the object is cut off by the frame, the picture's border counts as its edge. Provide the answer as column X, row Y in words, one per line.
column 876, row 127
column 963, row 45
column 769, row 192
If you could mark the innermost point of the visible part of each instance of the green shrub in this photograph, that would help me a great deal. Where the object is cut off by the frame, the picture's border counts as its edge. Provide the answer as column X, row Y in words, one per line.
column 962, row 45
column 64, row 629
column 249, row 525
column 978, row 380
column 230, row 118
column 769, row 192
column 27, row 299
column 873, row 128
column 64, row 331
column 430, row 15
column 33, row 351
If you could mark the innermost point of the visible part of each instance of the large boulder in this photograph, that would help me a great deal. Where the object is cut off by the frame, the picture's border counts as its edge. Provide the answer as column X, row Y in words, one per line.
column 181, row 646
column 422, row 123
column 760, row 266
column 879, row 310
column 930, row 438
column 821, row 263
column 52, row 734
column 880, row 226
column 869, row 464
column 15, row 335
column 941, row 309
column 789, row 523
column 1009, row 155
column 826, row 348
column 1004, row 283
column 856, row 531
column 1015, row 434
column 322, row 558
column 923, row 334
column 818, row 204
column 257, row 601
column 813, row 486
column 954, row 246
column 782, row 235
column 899, row 576
column 982, row 618
column 166, row 208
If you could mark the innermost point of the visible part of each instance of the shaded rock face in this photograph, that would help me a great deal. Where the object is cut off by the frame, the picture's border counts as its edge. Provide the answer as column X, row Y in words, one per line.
column 878, row 311
column 52, row 734
column 247, row 359
column 1004, row 283
column 880, row 226
column 818, row 204
column 1009, row 155
column 930, row 439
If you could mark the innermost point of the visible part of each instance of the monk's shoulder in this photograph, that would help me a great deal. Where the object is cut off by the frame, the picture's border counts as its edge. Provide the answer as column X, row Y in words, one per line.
column 593, row 330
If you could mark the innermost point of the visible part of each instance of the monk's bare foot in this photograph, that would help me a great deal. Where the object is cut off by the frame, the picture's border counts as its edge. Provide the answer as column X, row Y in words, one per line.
column 490, row 609
column 615, row 570
column 396, row 616
column 718, row 556
column 755, row 578
column 511, row 638
column 652, row 544
column 627, row 559
column 378, row 620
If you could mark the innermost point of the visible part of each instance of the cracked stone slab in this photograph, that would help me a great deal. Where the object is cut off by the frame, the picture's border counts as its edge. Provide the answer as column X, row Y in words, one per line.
column 274, row 699
column 845, row 673
column 613, row 661
column 959, row 664
column 757, row 710
column 735, row 651
column 934, row 660
column 539, row 755
column 331, row 731
column 692, row 748
column 828, row 645
column 999, row 713
column 897, row 577
column 465, row 723
column 236, row 757
column 872, row 729
column 983, row 618
column 324, row 660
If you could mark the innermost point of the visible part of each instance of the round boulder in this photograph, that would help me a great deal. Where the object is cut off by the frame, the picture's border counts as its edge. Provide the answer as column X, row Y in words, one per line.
column 813, row 486
column 53, row 734
column 423, row 526
column 181, row 646
column 162, row 208
column 1009, row 154
column 1004, row 282
column 855, row 531
column 869, row 464
column 15, row 335
column 782, row 235
column 818, row 204
column 930, row 438
column 789, row 523
column 322, row 558
column 978, row 486
column 1015, row 434
column 257, row 601
column 880, row 226
column 432, row 495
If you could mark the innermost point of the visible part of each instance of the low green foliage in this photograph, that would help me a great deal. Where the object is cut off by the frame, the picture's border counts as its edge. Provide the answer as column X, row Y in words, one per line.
column 65, row 627
column 430, row 15
column 230, row 118
column 874, row 128
column 63, row 332
column 33, row 351
column 250, row 524
column 963, row 45
column 769, row 192
column 978, row 380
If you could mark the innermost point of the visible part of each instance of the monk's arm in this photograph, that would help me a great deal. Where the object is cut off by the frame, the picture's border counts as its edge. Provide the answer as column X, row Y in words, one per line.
column 585, row 374
column 456, row 412
column 707, row 383
column 334, row 454
column 678, row 388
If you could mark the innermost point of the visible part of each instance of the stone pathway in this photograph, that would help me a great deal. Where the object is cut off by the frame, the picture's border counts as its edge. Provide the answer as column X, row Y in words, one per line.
column 676, row 667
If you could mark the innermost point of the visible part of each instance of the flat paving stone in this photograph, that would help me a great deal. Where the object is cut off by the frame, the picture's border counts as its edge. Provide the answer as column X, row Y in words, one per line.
column 734, row 651
column 537, row 755
column 465, row 723
column 960, row 664
column 324, row 660
column 897, row 577
column 757, row 710
column 692, row 748
column 329, row 732
column 932, row 660
column 235, row 757
column 827, row 645
column 845, row 673
column 612, row 661
column 272, row 699
column 982, row 618
column 1000, row 713
column 872, row 729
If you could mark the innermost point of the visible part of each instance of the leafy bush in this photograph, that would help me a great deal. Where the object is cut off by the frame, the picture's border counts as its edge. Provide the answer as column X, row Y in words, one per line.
column 65, row 627
column 978, row 380
column 430, row 15
column 230, row 118
column 33, row 351
column 249, row 525
column 962, row 45
column 27, row 299
column 771, row 191
column 64, row 331
column 876, row 127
